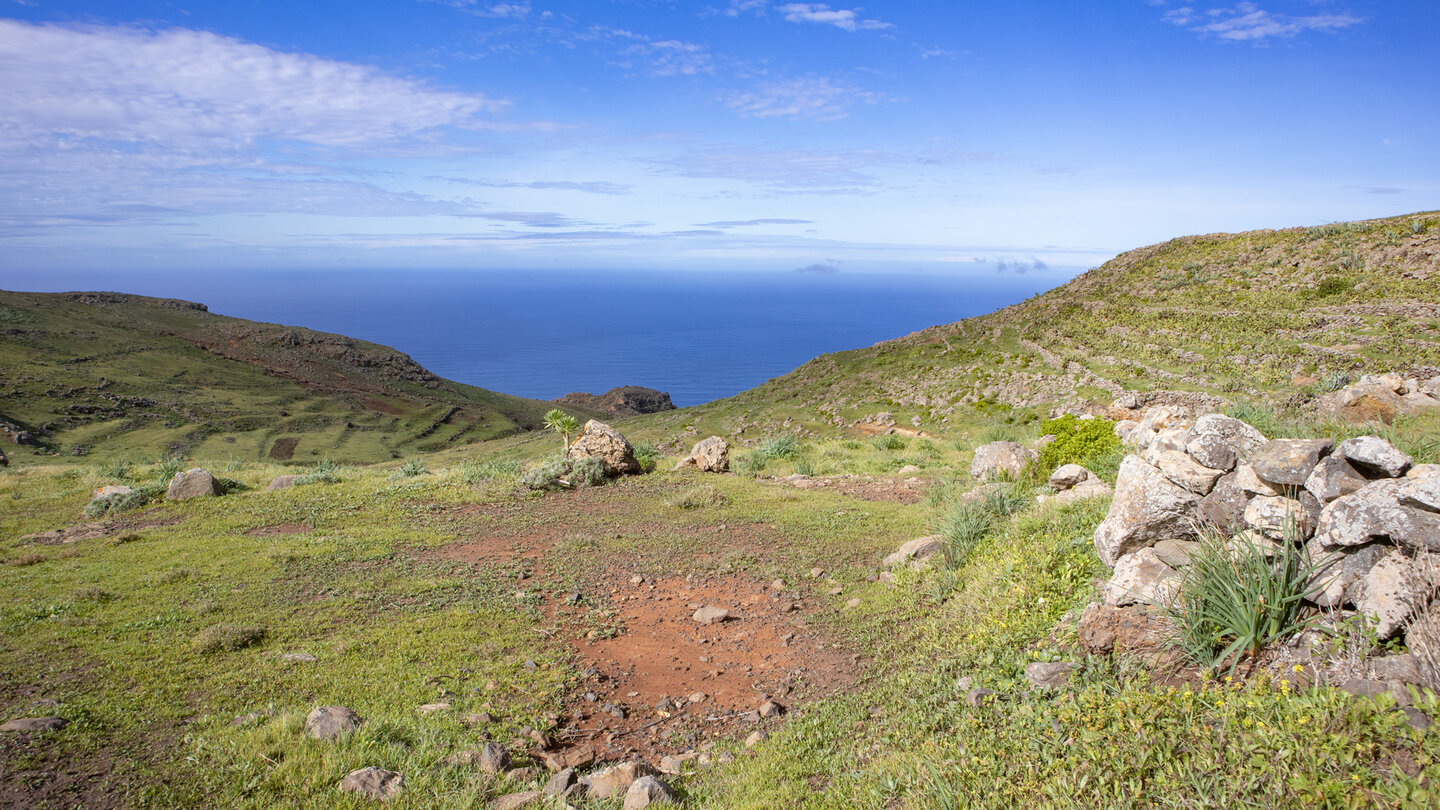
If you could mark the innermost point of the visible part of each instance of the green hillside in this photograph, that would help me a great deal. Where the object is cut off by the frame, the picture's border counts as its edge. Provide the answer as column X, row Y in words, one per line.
column 113, row 375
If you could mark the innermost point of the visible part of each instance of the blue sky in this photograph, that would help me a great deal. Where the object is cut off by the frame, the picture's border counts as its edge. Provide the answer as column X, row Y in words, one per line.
column 729, row 135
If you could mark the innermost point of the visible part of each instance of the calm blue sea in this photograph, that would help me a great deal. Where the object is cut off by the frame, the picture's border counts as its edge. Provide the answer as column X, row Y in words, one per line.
column 543, row 334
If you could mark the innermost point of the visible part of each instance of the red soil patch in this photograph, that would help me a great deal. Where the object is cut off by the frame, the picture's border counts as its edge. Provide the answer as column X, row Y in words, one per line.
column 764, row 650
column 284, row 448
column 864, row 487
column 382, row 407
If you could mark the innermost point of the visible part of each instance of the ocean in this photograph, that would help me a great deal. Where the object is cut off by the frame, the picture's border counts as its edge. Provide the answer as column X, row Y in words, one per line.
column 543, row 334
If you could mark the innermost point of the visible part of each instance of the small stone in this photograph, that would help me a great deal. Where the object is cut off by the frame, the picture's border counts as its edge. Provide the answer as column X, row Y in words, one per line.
column 515, row 801
column 494, row 759
column 431, row 708
column 836, row 591
column 561, row 783
column 329, row 722
column 698, row 697
column 373, row 783
column 478, row 719
column 194, row 483
column 647, row 791
column 529, row 773
column 244, row 720
column 298, row 658
column 1416, row 718
column 710, row 615
column 282, row 482
column 665, row 704
column 977, row 696
column 770, row 708
column 755, row 738
column 777, row 585
column 1048, row 675
column 853, row 603
column 816, row 573
column 616, row 779
column 35, row 724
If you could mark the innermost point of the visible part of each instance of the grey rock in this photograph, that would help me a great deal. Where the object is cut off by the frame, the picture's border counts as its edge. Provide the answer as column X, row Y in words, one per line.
column 1176, row 553
column 196, row 483
column 1336, row 570
column 916, row 552
column 1094, row 487
column 1000, row 458
column 616, row 779
column 1288, row 462
column 1220, row 441
column 1250, row 483
column 1147, row 508
column 1379, row 511
column 329, row 722
column 1402, row 667
column 1187, row 472
column 708, row 455
column 1415, row 718
column 35, row 724
column 373, row 783
column 1388, row 592
column 516, row 801
column 1374, row 457
column 1274, row 516
column 494, row 758
column 1421, row 488
column 282, row 482
column 1141, row 578
column 1334, row 477
column 1067, row 476
column 770, row 708
column 1167, row 441
column 600, row 441
column 561, row 783
column 710, row 615
column 756, row 737
column 1224, row 507
column 976, row 696
column 1049, row 675
column 646, row 791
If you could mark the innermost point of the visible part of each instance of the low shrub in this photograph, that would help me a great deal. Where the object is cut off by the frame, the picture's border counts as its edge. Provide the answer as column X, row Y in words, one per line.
column 704, row 496
column 778, row 447
column 412, row 468
column 325, row 472
column 1077, row 441
column 124, row 501
column 891, row 442
column 560, row 472
column 647, row 455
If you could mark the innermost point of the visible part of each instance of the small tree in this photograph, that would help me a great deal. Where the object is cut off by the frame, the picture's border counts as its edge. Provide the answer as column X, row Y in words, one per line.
column 562, row 423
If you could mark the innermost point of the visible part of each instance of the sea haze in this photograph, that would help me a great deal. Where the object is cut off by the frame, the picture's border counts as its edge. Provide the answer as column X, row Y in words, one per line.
column 543, row 334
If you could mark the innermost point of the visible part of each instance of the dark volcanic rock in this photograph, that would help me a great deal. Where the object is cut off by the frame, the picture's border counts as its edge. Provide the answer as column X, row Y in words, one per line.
column 628, row 400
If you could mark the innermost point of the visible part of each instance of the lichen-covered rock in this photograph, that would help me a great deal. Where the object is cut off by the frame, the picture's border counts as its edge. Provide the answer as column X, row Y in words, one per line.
column 1335, row 570
column 1171, row 440
column 1362, row 402
column 1220, row 441
column 1104, row 629
column 1141, row 578
column 373, row 783
column 916, row 552
column 1288, row 462
column 1000, row 458
column 708, row 455
column 600, row 441
column 1176, row 553
column 1224, row 507
column 1187, row 472
column 1067, row 476
column 1421, row 489
column 1050, row 674
column 647, row 791
column 196, row 483
column 1147, row 508
column 1389, row 509
column 616, row 779
column 1334, row 477
column 1250, row 483
column 1388, row 592
column 1274, row 516
column 329, row 722
column 1374, row 457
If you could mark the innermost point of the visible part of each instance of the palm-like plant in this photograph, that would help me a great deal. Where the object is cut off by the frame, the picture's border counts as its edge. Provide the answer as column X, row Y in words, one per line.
column 562, row 423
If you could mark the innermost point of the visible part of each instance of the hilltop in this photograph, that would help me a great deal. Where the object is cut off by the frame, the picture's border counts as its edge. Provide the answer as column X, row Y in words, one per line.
column 1270, row 315
column 114, row 374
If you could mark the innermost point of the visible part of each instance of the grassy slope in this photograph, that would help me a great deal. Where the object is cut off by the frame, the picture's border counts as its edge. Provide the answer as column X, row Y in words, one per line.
column 1256, row 315
column 125, row 375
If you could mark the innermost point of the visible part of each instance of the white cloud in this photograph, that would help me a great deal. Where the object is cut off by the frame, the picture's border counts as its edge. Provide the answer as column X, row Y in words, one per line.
column 738, row 7
column 822, row 14
column 1248, row 22
column 817, row 98
column 789, row 170
column 192, row 89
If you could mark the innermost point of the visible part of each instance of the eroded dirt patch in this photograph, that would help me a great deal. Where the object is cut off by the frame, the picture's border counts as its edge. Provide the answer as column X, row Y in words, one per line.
column 864, row 487
column 98, row 529
column 284, row 448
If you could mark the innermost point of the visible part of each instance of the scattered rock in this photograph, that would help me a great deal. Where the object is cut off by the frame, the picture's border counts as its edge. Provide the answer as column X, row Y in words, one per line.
column 515, row 801
column 1416, row 718
column 600, row 441
column 432, row 708
column 708, row 455
column 916, row 552
column 282, row 482
column 478, row 719
column 756, row 737
column 616, row 779
column 494, row 759
column 298, row 658
column 977, row 696
column 373, row 783
column 35, row 724
column 561, row 783
column 196, row 483
column 770, row 708
column 113, row 489
column 647, row 790
column 1000, row 458
column 1067, row 476
column 710, row 615
column 1050, row 674
column 329, row 722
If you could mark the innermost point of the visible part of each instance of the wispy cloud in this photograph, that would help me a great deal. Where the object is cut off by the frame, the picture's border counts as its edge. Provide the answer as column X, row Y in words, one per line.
column 1247, row 22
column 586, row 186
column 828, row 267
column 789, row 170
column 534, row 219
column 1019, row 266
column 738, row 7
column 744, row 223
column 820, row 98
column 479, row 9
column 822, row 14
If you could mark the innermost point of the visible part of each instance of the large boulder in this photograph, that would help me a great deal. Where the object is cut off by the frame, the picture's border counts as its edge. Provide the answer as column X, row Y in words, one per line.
column 1220, row 441
column 1288, row 462
column 1141, row 578
column 1147, row 508
column 196, row 483
column 600, row 441
column 708, row 455
column 1389, row 509
column 1374, row 457
column 1389, row 591
column 1000, row 458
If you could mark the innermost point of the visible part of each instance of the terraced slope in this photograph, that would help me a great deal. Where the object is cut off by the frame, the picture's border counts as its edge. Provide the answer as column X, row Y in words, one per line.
column 1277, row 315
column 113, row 374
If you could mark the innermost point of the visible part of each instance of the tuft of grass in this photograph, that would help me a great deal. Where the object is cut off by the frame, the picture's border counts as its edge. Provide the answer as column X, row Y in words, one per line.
column 227, row 638
column 24, row 560
column 504, row 470
column 705, row 496
column 891, row 442
column 124, row 501
column 411, row 468
column 1234, row 599
column 778, row 447
column 971, row 519
column 325, row 472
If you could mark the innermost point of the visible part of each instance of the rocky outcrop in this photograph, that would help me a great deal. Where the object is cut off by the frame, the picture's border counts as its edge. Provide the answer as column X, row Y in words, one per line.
column 627, row 400
column 1361, row 510
column 1379, row 397
column 1000, row 458
column 708, row 455
column 609, row 446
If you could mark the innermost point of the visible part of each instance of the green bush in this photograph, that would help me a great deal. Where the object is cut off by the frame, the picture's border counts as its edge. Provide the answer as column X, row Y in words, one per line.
column 123, row 501
column 1234, row 599
column 587, row 472
column 1077, row 441
column 778, row 447
column 1333, row 285
column 891, row 442
column 647, row 455
column 560, row 472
